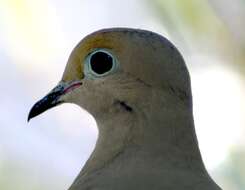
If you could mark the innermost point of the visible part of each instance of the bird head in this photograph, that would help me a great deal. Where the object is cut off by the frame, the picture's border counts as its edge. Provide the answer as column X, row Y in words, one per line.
column 118, row 69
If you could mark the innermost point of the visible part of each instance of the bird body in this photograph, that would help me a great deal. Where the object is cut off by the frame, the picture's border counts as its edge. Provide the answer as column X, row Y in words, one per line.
column 137, row 87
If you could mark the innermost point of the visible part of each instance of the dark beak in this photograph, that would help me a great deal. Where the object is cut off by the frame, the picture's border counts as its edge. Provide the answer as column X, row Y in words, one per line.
column 49, row 101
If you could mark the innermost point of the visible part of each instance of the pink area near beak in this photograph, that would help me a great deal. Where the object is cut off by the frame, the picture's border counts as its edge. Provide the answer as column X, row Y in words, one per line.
column 72, row 87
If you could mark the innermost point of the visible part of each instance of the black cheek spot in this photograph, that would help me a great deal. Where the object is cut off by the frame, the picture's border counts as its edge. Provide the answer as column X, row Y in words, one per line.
column 125, row 106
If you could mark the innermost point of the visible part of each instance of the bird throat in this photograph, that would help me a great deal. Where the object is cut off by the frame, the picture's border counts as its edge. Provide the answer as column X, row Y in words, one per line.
column 134, row 139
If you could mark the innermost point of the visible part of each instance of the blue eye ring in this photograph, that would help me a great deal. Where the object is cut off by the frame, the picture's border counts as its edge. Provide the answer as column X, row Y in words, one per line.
column 99, row 63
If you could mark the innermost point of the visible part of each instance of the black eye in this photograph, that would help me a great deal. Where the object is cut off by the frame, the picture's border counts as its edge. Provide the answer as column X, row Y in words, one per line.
column 101, row 62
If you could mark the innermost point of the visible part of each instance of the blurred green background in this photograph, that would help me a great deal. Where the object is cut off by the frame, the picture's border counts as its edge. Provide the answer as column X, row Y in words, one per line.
column 36, row 38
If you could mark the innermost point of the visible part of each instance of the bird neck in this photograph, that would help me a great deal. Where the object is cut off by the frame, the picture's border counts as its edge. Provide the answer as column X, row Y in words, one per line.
column 166, row 137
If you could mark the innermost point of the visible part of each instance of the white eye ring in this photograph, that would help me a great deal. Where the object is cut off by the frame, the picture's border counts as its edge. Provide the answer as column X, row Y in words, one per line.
column 100, row 63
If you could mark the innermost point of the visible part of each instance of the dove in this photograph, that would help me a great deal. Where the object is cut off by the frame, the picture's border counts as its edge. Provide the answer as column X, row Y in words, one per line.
column 137, row 87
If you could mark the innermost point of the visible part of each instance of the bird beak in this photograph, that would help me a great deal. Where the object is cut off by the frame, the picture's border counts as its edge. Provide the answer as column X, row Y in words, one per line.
column 52, row 99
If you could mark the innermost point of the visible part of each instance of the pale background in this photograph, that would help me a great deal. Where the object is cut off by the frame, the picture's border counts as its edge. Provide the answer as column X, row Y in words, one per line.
column 36, row 38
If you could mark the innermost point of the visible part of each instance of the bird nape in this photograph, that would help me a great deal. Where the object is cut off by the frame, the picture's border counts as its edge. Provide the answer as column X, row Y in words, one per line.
column 137, row 87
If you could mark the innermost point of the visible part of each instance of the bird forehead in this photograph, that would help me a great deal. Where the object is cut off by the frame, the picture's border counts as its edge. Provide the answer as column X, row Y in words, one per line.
column 117, row 39
column 75, row 64
column 111, row 40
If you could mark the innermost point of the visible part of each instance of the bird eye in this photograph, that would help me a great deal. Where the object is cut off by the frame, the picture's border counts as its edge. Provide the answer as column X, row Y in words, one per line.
column 100, row 63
